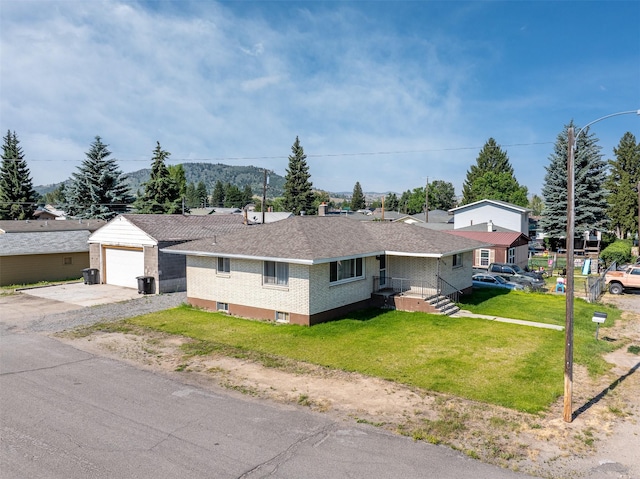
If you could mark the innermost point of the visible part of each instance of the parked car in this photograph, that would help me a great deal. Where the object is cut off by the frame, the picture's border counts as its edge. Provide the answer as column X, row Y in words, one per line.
column 514, row 273
column 484, row 280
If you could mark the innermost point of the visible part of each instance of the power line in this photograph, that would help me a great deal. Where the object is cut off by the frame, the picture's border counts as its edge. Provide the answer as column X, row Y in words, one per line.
column 319, row 155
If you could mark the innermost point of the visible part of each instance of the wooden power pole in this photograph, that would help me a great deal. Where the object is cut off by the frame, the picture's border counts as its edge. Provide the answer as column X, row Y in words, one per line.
column 568, row 350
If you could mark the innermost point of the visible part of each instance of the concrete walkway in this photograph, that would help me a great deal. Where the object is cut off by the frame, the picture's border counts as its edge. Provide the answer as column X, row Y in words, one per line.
column 469, row 314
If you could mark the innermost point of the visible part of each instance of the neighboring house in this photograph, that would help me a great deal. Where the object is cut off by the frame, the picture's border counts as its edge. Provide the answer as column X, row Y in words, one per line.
column 34, row 251
column 311, row 269
column 48, row 212
column 503, row 246
column 269, row 216
column 129, row 245
column 501, row 213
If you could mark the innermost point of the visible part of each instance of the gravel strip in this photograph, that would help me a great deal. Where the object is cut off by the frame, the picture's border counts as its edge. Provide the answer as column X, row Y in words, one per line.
column 106, row 312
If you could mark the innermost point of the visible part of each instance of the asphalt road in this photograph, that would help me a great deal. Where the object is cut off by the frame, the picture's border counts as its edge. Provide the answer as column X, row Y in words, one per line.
column 65, row 413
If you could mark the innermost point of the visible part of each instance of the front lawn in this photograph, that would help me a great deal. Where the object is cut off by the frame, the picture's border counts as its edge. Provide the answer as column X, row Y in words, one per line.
column 514, row 366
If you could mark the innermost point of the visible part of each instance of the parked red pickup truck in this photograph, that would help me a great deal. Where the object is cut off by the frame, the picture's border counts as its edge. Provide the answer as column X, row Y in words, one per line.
column 618, row 281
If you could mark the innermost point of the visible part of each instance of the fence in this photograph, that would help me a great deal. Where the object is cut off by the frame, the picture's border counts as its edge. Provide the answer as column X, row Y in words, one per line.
column 413, row 287
column 595, row 285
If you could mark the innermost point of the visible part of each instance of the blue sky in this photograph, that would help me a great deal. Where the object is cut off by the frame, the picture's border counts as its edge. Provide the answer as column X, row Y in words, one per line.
column 384, row 93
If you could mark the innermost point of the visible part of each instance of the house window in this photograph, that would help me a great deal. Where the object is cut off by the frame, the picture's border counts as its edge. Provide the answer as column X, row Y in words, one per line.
column 345, row 269
column 484, row 257
column 457, row 260
column 67, row 260
column 223, row 307
column 275, row 273
column 282, row 317
column 224, row 265
column 511, row 255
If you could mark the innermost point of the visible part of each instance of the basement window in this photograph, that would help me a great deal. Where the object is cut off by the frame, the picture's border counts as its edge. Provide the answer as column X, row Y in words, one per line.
column 222, row 307
column 282, row 317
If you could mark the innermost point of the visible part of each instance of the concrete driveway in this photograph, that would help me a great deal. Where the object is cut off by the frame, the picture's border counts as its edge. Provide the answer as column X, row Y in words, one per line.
column 83, row 295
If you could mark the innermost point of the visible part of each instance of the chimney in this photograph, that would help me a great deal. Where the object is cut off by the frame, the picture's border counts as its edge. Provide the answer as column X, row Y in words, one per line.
column 490, row 226
column 322, row 209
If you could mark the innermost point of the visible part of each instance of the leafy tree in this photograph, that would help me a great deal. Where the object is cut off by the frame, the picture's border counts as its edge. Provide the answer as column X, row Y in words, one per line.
column 161, row 193
column 217, row 196
column 98, row 189
column 298, row 195
column 442, row 195
column 357, row 198
column 17, row 196
column 590, row 204
column 391, row 202
column 536, row 205
column 492, row 178
column 624, row 175
column 416, row 201
column 403, row 202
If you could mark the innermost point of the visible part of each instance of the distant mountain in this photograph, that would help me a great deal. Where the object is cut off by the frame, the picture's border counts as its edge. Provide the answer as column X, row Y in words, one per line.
column 207, row 173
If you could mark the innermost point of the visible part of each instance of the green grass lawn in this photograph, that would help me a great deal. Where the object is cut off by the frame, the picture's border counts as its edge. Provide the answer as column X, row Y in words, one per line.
column 515, row 366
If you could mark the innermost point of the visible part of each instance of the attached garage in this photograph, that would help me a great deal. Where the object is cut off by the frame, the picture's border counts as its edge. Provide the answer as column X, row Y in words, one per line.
column 123, row 265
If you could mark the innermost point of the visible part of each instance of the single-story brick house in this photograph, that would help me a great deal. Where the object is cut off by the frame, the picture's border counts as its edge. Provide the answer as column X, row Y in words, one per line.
column 310, row 269
column 129, row 246
column 34, row 251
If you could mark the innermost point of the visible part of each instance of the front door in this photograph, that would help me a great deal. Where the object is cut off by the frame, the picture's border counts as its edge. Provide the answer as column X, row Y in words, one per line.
column 383, row 271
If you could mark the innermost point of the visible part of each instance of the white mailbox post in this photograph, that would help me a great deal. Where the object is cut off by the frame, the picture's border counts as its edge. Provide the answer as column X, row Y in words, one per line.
column 599, row 319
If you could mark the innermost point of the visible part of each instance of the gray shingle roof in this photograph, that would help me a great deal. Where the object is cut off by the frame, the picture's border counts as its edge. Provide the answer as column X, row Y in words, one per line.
column 184, row 228
column 317, row 239
column 46, row 242
column 12, row 226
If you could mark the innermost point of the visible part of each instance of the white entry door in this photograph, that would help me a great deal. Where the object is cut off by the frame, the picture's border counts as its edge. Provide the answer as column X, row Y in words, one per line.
column 123, row 266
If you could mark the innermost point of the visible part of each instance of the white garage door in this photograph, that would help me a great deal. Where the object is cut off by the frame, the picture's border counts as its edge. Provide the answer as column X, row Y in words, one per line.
column 123, row 266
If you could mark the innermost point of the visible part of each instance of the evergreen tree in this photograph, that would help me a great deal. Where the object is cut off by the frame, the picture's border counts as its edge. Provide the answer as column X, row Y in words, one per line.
column 217, row 196
column 298, row 195
column 98, row 188
column 233, row 197
column 202, row 195
column 191, row 196
column 247, row 195
column 492, row 178
column 590, row 204
column 442, row 195
column 624, row 176
column 357, row 198
column 179, row 176
column 17, row 196
column 161, row 193
column 403, row 202
column 391, row 202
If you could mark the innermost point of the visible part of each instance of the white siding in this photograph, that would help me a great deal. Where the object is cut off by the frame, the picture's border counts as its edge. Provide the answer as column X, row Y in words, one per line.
column 500, row 216
column 121, row 232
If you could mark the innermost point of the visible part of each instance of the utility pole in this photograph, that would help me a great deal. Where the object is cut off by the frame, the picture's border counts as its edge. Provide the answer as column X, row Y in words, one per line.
column 568, row 350
column 426, row 202
column 638, row 190
column 264, row 194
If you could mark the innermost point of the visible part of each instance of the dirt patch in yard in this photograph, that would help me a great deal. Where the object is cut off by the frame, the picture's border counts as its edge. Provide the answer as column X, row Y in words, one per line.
column 602, row 441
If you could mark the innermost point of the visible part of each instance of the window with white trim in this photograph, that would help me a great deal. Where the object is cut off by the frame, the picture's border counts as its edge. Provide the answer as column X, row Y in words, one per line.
column 457, row 260
column 275, row 273
column 345, row 269
column 222, row 307
column 484, row 257
column 511, row 255
column 224, row 265
column 282, row 317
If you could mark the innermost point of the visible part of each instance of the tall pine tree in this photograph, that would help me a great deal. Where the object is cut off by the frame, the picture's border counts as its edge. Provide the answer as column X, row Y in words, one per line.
column 17, row 196
column 357, row 198
column 590, row 195
column 98, row 188
column 492, row 178
column 624, row 175
column 298, row 195
column 217, row 196
column 162, row 192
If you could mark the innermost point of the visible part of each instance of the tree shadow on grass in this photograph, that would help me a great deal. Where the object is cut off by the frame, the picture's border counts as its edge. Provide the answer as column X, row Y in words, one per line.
column 479, row 296
column 594, row 400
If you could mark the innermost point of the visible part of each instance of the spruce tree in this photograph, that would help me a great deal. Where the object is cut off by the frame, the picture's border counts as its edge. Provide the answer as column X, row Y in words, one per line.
column 202, row 195
column 298, row 195
column 391, row 202
column 590, row 204
column 192, row 196
column 17, row 196
column 492, row 178
column 217, row 196
column 161, row 193
column 247, row 195
column 624, row 175
column 357, row 198
column 98, row 188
